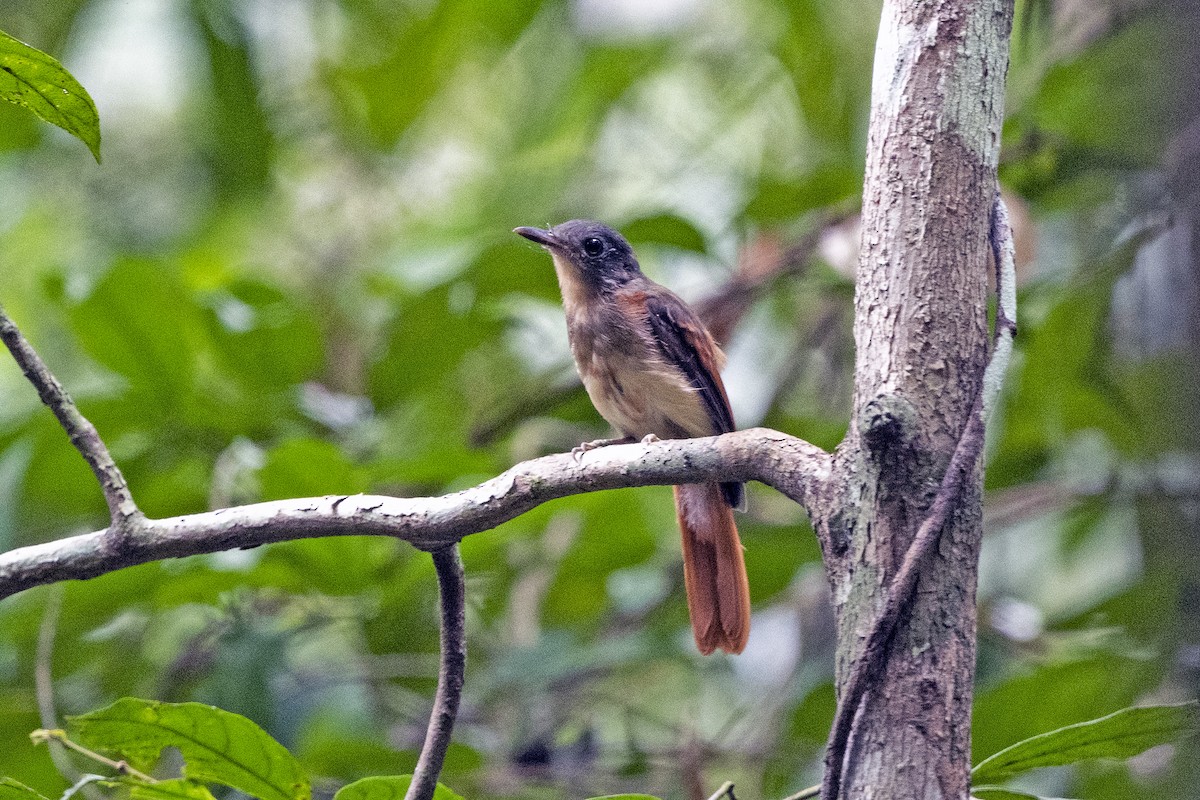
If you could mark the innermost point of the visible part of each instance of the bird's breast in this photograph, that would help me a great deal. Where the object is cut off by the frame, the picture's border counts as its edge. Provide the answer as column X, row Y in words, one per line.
column 632, row 386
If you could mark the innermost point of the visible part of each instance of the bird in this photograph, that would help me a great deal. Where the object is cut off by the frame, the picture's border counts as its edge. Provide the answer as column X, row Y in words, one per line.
column 652, row 370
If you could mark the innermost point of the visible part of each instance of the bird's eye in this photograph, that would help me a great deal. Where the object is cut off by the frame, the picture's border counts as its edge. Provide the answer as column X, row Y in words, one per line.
column 593, row 246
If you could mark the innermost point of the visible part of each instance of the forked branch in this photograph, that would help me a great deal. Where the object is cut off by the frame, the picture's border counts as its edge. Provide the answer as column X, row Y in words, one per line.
column 121, row 508
column 791, row 465
column 796, row 468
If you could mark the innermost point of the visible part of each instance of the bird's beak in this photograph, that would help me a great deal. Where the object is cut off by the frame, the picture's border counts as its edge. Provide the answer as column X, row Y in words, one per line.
column 544, row 238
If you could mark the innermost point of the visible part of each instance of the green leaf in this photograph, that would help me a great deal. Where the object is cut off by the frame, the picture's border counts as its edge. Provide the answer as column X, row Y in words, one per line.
column 387, row 787
column 264, row 335
column 36, row 81
column 122, row 325
column 1122, row 734
column 999, row 793
column 666, row 229
column 174, row 789
column 216, row 745
column 421, row 51
column 1109, row 100
column 776, row 200
column 15, row 790
column 307, row 467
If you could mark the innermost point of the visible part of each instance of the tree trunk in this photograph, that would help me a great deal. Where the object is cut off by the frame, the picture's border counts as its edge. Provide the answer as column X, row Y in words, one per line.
column 921, row 334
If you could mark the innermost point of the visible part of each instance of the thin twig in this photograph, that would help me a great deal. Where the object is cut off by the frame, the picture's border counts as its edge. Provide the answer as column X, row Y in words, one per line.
column 121, row 508
column 726, row 790
column 43, row 679
column 452, row 586
column 121, row 767
column 873, row 657
column 84, row 784
column 805, row 794
column 1004, row 257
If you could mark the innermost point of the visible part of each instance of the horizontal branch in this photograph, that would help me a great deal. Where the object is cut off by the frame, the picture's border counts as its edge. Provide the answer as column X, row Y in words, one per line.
column 790, row 465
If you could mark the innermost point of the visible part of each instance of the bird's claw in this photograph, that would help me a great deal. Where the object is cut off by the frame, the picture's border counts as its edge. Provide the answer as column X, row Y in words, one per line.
column 650, row 438
column 578, row 450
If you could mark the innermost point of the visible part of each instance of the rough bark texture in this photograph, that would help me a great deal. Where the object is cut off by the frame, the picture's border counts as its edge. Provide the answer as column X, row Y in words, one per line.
column 921, row 334
column 792, row 466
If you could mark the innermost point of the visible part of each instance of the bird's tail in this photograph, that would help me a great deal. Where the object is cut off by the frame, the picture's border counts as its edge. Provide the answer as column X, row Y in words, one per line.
column 714, row 569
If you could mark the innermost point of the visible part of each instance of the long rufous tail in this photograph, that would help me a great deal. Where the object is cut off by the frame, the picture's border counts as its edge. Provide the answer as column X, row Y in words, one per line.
column 714, row 569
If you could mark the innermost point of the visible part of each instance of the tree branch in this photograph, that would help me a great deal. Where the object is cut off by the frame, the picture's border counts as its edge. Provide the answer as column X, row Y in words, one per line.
column 451, row 672
column 873, row 657
column 121, row 507
column 792, row 466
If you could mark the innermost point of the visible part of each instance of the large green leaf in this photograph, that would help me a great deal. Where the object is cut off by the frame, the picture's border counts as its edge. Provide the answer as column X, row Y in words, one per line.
column 238, row 139
column 613, row 533
column 415, row 53
column 668, row 229
column 140, row 322
column 1122, row 734
column 35, row 80
column 387, row 787
column 216, row 745
column 774, row 200
column 175, row 789
column 826, row 48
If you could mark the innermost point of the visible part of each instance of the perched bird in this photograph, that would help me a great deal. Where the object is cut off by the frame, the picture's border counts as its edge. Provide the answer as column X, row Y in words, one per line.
column 651, row 368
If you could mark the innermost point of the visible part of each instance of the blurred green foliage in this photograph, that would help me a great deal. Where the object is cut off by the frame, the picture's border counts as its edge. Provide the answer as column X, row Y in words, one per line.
column 217, row 747
column 293, row 275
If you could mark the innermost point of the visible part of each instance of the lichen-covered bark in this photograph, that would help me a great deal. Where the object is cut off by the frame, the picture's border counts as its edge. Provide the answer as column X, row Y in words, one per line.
column 795, row 468
column 921, row 334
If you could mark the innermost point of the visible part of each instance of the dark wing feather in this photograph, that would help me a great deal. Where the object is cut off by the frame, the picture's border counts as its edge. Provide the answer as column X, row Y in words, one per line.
column 685, row 343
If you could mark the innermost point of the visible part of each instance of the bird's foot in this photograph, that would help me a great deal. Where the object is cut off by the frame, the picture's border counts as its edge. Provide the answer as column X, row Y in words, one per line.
column 578, row 450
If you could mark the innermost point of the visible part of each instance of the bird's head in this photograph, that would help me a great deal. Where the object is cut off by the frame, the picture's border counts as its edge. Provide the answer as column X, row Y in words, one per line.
column 589, row 252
